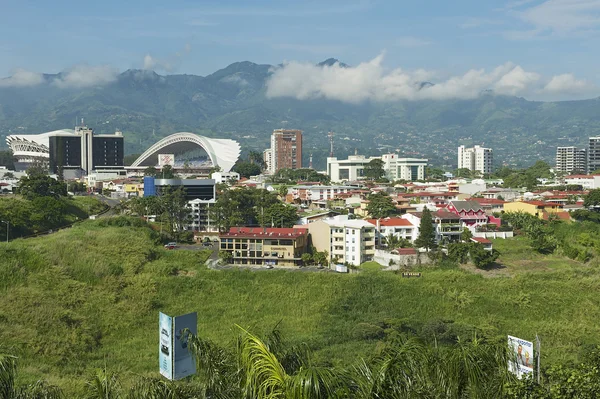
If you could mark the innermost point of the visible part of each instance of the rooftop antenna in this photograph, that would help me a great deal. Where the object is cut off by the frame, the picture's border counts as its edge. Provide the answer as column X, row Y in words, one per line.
column 330, row 135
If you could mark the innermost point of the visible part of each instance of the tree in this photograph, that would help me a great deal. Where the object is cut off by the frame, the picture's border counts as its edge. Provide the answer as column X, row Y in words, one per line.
column 10, row 390
column 482, row 258
column 255, row 157
column 459, row 252
column 247, row 169
column 380, row 205
column 374, row 169
column 282, row 191
column 8, row 175
column 41, row 185
column 151, row 171
column 279, row 215
column 592, row 199
column 225, row 257
column 426, row 237
column 466, row 235
column 306, row 258
column 167, row 172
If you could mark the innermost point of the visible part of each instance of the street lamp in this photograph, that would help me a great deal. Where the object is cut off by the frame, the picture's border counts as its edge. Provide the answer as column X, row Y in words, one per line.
column 7, row 227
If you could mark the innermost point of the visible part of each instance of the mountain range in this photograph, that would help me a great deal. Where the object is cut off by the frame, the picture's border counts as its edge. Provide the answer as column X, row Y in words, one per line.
column 232, row 103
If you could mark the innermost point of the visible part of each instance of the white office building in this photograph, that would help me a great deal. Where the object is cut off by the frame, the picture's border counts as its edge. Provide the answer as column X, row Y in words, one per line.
column 410, row 169
column 571, row 159
column 476, row 158
column 395, row 168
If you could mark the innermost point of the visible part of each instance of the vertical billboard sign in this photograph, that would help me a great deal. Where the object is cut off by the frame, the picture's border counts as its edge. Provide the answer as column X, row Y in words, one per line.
column 165, row 345
column 520, row 353
column 184, row 362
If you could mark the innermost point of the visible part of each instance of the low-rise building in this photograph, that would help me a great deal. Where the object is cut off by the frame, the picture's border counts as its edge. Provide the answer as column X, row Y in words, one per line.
column 346, row 241
column 541, row 209
column 265, row 246
column 471, row 214
column 588, row 182
column 398, row 227
column 395, row 168
column 318, row 193
column 447, row 225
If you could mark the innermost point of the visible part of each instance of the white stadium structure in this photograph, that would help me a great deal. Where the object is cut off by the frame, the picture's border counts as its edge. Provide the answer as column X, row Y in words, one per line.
column 29, row 148
column 223, row 153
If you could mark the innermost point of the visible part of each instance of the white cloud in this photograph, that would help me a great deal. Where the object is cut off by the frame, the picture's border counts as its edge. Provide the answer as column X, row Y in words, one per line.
column 567, row 84
column 22, row 78
column 559, row 17
column 81, row 76
column 370, row 81
column 411, row 41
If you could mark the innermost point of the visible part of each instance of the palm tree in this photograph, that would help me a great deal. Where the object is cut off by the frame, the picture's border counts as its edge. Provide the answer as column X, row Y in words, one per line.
column 8, row 389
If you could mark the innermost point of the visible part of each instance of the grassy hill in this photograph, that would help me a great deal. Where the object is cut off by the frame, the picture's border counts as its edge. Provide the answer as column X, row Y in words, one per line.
column 88, row 297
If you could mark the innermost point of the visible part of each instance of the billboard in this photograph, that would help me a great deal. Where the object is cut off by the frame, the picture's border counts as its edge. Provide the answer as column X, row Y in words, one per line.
column 166, row 159
column 184, row 363
column 165, row 345
column 520, row 353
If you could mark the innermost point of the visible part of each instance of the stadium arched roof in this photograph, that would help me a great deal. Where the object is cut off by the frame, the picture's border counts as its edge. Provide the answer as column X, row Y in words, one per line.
column 33, row 146
column 222, row 152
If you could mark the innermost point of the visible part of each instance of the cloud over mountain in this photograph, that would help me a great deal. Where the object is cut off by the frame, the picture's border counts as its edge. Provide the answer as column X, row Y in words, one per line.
column 22, row 78
column 371, row 81
column 81, row 76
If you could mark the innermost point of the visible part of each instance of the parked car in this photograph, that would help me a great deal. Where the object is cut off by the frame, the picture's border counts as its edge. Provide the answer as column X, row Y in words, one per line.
column 207, row 244
column 171, row 245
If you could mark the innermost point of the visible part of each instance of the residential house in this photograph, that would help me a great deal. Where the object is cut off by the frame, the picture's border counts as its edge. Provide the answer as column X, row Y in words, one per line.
column 487, row 244
column 541, row 209
column 470, row 212
column 447, row 225
column 398, row 227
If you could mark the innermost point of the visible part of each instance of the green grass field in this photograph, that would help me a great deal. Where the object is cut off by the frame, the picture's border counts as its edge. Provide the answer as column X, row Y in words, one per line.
column 88, row 297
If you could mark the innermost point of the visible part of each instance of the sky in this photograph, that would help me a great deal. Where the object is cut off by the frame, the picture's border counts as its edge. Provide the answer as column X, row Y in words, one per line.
column 538, row 49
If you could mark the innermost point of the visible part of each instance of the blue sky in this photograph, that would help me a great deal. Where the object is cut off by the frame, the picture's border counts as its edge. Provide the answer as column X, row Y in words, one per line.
column 447, row 38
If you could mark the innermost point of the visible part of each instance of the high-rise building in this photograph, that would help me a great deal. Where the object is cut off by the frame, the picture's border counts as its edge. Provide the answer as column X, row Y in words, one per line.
column 476, row 158
column 285, row 151
column 571, row 159
column 594, row 154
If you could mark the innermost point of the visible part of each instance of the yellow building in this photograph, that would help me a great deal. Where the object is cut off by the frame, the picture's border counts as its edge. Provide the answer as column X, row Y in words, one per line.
column 265, row 246
column 540, row 209
column 134, row 190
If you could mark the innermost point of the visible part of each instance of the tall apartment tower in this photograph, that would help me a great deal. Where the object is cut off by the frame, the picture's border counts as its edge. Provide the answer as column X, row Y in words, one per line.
column 594, row 154
column 476, row 158
column 571, row 159
column 285, row 151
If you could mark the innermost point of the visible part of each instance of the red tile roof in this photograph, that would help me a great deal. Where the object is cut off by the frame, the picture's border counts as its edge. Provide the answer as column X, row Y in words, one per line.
column 487, row 201
column 481, row 240
column 406, row 251
column 264, row 232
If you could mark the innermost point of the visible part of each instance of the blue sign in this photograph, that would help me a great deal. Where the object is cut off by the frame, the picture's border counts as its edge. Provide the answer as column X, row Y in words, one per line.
column 184, row 362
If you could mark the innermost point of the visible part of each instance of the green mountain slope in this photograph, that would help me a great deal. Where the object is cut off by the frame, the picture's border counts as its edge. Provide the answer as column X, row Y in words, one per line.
column 232, row 103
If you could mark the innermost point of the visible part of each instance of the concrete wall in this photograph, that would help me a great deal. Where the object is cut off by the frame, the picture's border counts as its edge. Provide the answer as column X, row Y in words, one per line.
column 494, row 234
column 383, row 258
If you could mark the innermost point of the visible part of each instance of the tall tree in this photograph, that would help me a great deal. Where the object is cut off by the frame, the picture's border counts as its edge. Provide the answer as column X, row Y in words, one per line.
column 247, row 169
column 41, row 185
column 426, row 237
column 592, row 199
column 374, row 169
column 167, row 172
column 380, row 205
column 151, row 171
